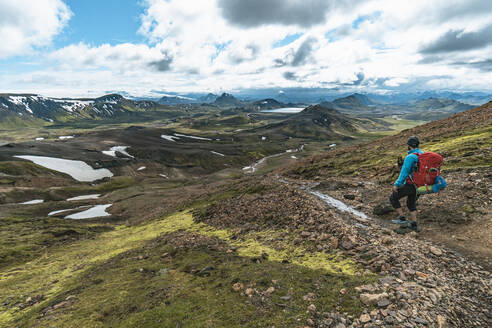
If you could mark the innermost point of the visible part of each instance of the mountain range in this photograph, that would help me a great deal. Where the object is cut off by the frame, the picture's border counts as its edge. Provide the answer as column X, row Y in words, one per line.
column 31, row 109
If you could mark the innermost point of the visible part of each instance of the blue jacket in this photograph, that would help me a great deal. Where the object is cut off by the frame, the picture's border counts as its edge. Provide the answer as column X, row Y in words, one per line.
column 408, row 167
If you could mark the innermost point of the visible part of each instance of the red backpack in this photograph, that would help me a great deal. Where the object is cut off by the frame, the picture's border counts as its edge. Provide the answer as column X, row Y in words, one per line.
column 428, row 168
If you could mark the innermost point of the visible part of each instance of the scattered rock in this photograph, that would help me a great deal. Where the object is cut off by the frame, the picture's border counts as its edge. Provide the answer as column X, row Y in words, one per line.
column 249, row 292
column 334, row 242
column 386, row 240
column 441, row 321
column 436, row 251
column 382, row 209
column 365, row 318
column 311, row 308
column 384, row 302
column 61, row 304
column 421, row 321
column 371, row 299
column 349, row 196
column 270, row 291
column 237, row 286
column 309, row 297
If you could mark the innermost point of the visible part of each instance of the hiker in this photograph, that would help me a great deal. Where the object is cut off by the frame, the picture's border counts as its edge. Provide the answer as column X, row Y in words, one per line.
column 405, row 188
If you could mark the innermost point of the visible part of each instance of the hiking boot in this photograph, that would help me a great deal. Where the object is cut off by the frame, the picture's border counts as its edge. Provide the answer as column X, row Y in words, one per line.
column 400, row 220
column 413, row 226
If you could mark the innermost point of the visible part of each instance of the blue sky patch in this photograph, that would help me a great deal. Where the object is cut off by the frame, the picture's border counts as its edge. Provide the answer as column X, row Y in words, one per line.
column 102, row 22
column 361, row 19
column 287, row 40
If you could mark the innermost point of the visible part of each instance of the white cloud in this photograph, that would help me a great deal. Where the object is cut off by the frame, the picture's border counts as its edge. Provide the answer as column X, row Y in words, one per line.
column 25, row 24
column 192, row 47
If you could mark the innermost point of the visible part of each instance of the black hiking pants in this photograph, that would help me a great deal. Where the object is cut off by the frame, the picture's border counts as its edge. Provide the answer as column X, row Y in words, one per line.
column 407, row 190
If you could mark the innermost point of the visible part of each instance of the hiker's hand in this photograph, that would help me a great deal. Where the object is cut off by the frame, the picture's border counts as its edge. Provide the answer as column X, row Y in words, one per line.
column 400, row 161
column 395, row 188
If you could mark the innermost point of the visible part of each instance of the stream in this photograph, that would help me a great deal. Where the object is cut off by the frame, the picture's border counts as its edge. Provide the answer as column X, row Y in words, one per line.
column 327, row 199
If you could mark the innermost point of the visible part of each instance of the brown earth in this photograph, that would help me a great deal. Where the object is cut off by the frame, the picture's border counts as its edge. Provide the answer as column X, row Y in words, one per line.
column 406, row 263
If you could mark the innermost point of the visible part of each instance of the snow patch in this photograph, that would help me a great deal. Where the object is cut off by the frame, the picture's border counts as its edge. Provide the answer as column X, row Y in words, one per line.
column 338, row 204
column 93, row 212
column 216, row 153
column 84, row 197
column 191, row 137
column 141, row 168
column 78, row 170
column 169, row 138
column 39, row 139
column 21, row 101
column 120, row 149
column 32, row 202
column 67, row 210
column 66, row 137
column 164, row 176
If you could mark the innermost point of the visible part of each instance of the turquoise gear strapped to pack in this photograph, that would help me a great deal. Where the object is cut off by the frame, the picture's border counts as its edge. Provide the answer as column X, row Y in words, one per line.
column 439, row 185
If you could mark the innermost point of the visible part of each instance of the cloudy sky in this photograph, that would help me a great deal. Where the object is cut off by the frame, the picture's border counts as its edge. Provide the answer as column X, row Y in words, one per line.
column 90, row 47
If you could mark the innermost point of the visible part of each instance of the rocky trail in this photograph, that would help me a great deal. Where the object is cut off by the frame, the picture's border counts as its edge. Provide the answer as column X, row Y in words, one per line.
column 419, row 282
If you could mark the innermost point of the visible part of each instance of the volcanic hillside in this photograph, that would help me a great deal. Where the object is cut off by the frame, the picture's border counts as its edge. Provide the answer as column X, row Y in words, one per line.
column 320, row 122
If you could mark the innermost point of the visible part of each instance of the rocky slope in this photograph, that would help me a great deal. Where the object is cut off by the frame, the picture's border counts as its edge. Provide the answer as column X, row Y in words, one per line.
column 420, row 284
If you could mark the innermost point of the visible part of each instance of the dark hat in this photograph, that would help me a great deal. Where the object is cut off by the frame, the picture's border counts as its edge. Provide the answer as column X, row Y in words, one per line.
column 413, row 142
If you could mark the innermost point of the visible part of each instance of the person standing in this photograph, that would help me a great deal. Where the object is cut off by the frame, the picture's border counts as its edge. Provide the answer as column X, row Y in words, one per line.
column 403, row 187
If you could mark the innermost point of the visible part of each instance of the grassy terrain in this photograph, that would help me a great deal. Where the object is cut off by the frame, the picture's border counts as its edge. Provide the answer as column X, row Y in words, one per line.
column 401, row 124
column 156, row 275
column 465, row 147
column 153, row 264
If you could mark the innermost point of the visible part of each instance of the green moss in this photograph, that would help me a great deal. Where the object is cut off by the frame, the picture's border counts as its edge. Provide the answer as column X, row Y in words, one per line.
column 25, row 168
column 468, row 208
column 462, row 149
column 113, row 288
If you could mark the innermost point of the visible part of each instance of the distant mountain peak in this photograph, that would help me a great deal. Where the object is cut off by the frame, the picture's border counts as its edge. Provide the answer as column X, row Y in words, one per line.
column 226, row 99
column 113, row 97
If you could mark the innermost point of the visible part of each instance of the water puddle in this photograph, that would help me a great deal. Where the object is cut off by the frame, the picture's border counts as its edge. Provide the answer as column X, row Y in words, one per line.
column 97, row 211
column 78, row 170
column 286, row 110
column 84, row 197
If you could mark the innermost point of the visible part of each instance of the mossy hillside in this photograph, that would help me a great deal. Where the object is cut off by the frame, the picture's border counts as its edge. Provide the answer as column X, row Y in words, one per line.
column 463, row 149
column 62, row 193
column 23, row 239
column 14, row 122
column 59, row 272
column 25, row 168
